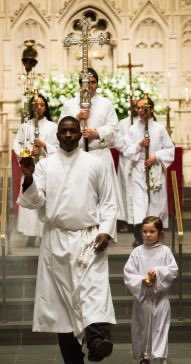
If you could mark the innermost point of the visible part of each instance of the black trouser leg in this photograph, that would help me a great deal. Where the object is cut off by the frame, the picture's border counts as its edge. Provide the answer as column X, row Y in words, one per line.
column 137, row 231
column 31, row 241
column 97, row 331
column 98, row 339
column 70, row 348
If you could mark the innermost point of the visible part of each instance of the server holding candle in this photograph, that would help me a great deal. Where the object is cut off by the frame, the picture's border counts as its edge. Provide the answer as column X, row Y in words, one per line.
column 148, row 199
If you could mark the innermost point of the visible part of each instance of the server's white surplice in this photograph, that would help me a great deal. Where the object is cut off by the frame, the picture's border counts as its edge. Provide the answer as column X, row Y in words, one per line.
column 151, row 307
column 28, row 221
column 72, row 283
column 104, row 119
column 163, row 148
column 124, row 171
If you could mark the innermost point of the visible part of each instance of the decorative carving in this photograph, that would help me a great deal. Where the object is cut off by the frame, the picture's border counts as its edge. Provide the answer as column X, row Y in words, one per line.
column 186, row 76
column 141, row 45
column 36, row 5
column 186, row 34
column 185, row 3
column 155, row 77
column 97, row 23
column 112, row 3
column 149, row 8
column 63, row 8
column 17, row 12
column 148, row 34
column 156, row 45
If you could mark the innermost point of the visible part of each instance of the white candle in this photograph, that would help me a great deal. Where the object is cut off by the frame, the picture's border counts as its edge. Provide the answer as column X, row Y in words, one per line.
column 23, row 80
column 168, row 88
column 186, row 94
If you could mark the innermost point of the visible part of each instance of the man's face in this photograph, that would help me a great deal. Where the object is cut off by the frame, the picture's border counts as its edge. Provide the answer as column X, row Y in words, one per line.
column 68, row 135
column 143, row 110
column 92, row 86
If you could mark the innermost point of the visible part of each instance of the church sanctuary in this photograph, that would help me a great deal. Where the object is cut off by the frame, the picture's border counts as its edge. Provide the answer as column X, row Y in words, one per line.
column 107, row 82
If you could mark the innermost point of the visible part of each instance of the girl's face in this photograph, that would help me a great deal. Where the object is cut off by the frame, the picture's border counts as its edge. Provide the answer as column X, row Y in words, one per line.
column 150, row 234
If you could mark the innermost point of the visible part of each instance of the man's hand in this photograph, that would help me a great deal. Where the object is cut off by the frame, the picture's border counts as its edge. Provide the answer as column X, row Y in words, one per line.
column 27, row 167
column 144, row 142
column 83, row 114
column 101, row 242
column 150, row 161
column 91, row 134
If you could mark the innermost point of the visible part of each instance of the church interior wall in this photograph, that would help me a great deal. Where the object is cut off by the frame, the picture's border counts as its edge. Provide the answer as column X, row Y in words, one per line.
column 156, row 33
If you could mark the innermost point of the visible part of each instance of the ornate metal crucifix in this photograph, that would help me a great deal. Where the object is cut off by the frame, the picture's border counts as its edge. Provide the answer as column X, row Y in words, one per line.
column 84, row 41
column 130, row 66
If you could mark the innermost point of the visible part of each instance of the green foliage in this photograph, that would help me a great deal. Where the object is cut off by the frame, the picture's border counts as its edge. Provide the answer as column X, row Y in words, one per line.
column 114, row 86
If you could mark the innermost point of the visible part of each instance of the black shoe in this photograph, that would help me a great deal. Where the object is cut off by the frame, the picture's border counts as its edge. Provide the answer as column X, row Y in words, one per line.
column 102, row 349
column 145, row 361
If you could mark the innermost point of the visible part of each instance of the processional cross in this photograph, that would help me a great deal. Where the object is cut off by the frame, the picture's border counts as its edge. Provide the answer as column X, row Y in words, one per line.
column 130, row 66
column 84, row 41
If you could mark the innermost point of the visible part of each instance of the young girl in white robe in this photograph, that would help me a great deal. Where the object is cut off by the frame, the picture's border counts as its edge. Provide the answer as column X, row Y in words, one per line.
column 148, row 274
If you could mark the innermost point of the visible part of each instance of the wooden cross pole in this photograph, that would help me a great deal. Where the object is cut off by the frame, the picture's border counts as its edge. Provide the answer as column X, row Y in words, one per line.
column 84, row 41
column 130, row 66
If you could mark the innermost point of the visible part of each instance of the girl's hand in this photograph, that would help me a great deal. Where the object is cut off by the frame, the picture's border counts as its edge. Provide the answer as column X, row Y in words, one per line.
column 150, row 279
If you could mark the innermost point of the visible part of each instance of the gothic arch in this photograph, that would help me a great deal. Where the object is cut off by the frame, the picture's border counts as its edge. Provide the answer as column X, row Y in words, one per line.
column 30, row 24
column 100, row 20
column 149, row 35
column 186, row 48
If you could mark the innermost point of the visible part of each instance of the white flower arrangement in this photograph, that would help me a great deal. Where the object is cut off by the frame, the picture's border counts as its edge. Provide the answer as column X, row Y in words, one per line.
column 114, row 86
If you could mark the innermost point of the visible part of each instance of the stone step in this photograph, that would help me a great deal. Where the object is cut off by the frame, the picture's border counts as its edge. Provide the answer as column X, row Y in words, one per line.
column 19, row 286
column 20, row 333
column 123, row 306
column 21, row 309
column 27, row 265
column 186, row 192
column 186, row 206
column 20, row 265
column 21, row 280
column 179, row 331
column 117, row 262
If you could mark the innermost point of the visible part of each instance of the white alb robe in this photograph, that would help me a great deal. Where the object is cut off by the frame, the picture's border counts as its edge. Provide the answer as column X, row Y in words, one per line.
column 104, row 119
column 72, row 288
column 163, row 148
column 28, row 221
column 125, row 170
column 151, row 306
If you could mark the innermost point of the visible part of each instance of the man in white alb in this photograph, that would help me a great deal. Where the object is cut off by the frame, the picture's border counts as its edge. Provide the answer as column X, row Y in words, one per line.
column 161, row 155
column 102, row 127
column 73, row 295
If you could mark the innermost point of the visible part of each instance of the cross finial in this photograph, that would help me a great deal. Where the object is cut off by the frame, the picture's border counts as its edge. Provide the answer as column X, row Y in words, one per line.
column 130, row 66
